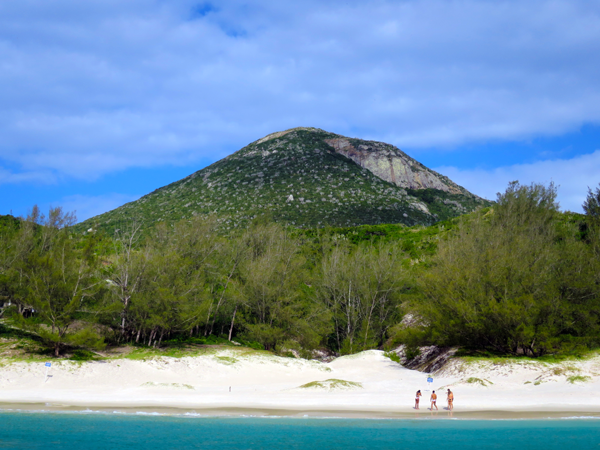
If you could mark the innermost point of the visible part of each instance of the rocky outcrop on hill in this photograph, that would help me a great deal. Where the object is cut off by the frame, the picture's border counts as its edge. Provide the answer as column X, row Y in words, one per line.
column 391, row 164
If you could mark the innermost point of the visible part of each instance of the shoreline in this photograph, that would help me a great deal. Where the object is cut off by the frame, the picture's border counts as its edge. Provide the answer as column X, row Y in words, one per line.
column 300, row 413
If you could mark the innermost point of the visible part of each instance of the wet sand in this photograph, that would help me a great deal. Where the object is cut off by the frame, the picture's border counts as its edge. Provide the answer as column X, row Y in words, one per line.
column 338, row 413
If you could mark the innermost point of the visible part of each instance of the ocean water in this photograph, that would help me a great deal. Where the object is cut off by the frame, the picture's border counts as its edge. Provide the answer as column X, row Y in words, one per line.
column 26, row 430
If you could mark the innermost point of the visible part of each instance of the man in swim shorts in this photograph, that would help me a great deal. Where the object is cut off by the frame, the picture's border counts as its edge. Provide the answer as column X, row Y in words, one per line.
column 433, row 400
column 450, row 400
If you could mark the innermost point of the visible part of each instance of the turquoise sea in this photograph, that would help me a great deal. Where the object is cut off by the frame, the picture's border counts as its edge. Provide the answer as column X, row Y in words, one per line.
column 26, row 430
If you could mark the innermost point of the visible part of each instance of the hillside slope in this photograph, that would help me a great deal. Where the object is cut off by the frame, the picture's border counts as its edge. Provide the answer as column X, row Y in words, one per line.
column 304, row 177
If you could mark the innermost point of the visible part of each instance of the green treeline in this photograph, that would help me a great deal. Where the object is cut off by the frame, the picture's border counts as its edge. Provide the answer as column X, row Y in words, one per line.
column 265, row 285
column 518, row 278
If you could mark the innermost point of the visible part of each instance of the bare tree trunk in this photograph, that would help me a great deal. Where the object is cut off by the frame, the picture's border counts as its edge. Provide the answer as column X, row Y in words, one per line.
column 123, row 314
column 208, row 319
column 337, row 332
column 232, row 320
column 152, row 333
column 369, row 322
column 221, row 298
column 348, row 306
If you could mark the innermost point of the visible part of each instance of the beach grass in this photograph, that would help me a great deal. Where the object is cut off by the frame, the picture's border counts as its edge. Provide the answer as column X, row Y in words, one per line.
column 169, row 385
column 578, row 379
column 564, row 370
column 332, row 384
column 469, row 356
column 150, row 353
column 228, row 360
column 475, row 380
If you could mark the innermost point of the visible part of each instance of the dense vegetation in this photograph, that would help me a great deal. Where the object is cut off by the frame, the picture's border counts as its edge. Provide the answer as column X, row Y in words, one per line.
column 445, row 205
column 518, row 278
column 300, row 180
column 521, row 279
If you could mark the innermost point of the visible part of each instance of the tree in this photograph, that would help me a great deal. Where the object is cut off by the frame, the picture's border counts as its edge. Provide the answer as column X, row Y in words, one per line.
column 126, row 270
column 18, row 242
column 362, row 286
column 591, row 206
column 511, row 280
column 279, row 310
column 10, row 257
column 61, row 283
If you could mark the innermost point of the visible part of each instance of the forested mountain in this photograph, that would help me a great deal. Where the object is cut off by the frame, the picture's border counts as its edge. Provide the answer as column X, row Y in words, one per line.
column 305, row 177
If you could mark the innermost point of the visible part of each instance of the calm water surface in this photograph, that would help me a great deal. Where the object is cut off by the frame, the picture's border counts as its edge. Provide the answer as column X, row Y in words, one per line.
column 111, row 431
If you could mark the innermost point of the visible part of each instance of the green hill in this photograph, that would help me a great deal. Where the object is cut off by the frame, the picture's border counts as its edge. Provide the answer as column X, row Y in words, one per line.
column 304, row 177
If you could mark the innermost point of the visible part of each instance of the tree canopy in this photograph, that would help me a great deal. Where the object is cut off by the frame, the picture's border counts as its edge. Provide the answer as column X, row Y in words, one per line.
column 517, row 278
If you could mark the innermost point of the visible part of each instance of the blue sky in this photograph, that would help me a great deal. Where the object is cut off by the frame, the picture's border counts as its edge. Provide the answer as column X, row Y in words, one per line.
column 104, row 101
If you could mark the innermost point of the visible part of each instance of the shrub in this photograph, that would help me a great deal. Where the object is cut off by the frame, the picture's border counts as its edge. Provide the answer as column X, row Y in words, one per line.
column 393, row 356
column 411, row 352
column 83, row 355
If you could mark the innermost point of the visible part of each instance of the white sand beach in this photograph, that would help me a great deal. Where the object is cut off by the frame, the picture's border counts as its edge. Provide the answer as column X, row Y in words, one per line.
column 367, row 384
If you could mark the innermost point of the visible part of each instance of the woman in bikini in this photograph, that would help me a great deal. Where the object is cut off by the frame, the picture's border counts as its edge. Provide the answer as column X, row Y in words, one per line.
column 417, row 399
column 450, row 400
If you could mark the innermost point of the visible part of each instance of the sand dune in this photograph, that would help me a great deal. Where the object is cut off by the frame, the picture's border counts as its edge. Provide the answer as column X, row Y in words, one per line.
column 367, row 384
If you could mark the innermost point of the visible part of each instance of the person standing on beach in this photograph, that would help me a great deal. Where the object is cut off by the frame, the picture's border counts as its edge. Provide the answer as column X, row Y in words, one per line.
column 433, row 400
column 450, row 400
column 417, row 397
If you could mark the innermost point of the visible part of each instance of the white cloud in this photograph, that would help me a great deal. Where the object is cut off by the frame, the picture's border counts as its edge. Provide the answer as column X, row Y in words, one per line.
column 94, row 87
column 572, row 176
column 10, row 177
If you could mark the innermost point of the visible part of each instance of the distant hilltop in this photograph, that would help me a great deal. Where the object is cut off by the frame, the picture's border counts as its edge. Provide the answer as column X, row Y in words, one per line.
column 304, row 177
